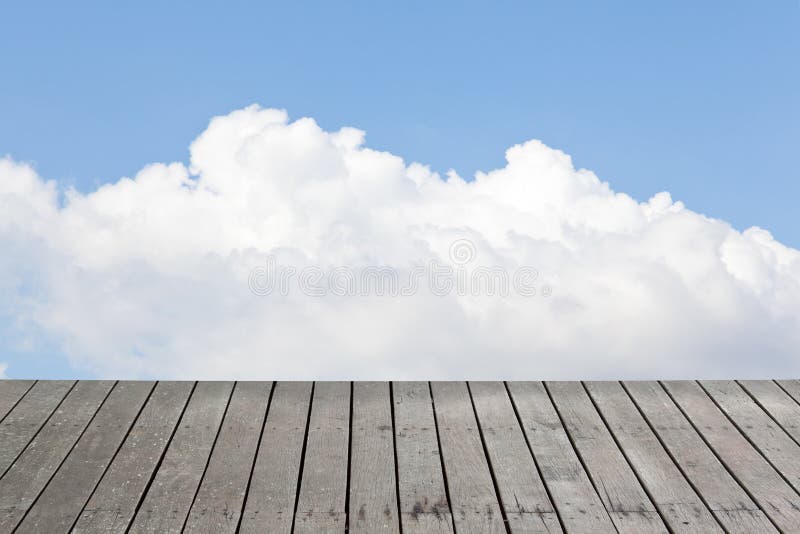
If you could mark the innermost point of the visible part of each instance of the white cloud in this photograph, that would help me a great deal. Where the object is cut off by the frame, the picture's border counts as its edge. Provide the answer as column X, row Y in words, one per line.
column 149, row 276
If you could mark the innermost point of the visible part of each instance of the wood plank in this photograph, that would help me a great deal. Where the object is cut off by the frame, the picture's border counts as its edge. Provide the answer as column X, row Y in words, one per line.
column 473, row 499
column 114, row 501
column 791, row 387
column 31, row 472
column 623, row 496
column 775, row 401
column 729, row 503
column 220, row 499
column 373, row 487
column 71, row 459
column 273, row 487
column 775, row 444
column 167, row 502
column 676, row 500
column 578, row 504
column 323, row 487
column 27, row 418
column 766, row 487
column 11, row 391
column 61, row 502
column 522, row 492
column 422, row 494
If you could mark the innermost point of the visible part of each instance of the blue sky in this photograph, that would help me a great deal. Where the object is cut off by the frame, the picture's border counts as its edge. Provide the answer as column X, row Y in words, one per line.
column 700, row 99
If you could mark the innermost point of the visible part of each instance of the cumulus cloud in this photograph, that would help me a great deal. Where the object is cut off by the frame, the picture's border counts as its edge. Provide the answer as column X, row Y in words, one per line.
column 152, row 276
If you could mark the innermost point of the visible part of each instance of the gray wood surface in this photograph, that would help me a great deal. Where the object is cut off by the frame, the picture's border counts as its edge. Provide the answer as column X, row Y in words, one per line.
column 218, row 505
column 791, row 387
column 423, row 497
column 296, row 457
column 323, row 486
column 273, row 486
column 60, row 504
column 169, row 498
column 522, row 492
column 27, row 417
column 473, row 500
column 767, row 436
column 31, row 472
column 729, row 502
column 623, row 496
column 777, row 403
column 114, row 501
column 679, row 505
column 373, row 505
column 578, row 504
column 766, row 487
column 11, row 391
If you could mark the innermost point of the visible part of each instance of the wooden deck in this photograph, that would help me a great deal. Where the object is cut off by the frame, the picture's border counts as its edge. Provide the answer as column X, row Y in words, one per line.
column 410, row 457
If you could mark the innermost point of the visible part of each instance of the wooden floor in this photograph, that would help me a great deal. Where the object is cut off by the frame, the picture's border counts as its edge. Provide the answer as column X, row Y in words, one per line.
column 410, row 457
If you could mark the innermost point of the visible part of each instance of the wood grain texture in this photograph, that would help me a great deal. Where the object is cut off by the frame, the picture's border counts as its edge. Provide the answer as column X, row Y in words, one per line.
column 767, row 488
column 423, row 498
column 473, row 500
column 273, row 486
column 11, row 391
column 27, row 417
column 791, row 387
column 777, row 403
column 775, row 444
column 31, row 472
column 114, row 501
column 520, row 457
column 167, row 502
column 576, row 500
column 676, row 500
column 373, row 494
column 619, row 489
column 522, row 492
column 60, row 504
column 323, row 486
column 729, row 503
column 218, row 505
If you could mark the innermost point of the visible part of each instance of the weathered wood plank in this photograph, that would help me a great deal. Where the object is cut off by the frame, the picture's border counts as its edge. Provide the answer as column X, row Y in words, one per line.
column 779, row 404
column 533, row 522
column 273, row 486
column 729, row 503
column 423, row 497
column 775, row 444
column 676, row 500
column 167, row 502
column 373, row 487
column 745, row 521
column 31, row 472
column 220, row 499
column 323, row 487
column 28, row 416
column 61, row 502
column 11, row 391
column 772, row 494
column 578, row 504
column 522, row 492
column 473, row 499
column 791, row 387
column 619, row 489
column 114, row 501
column 83, row 454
